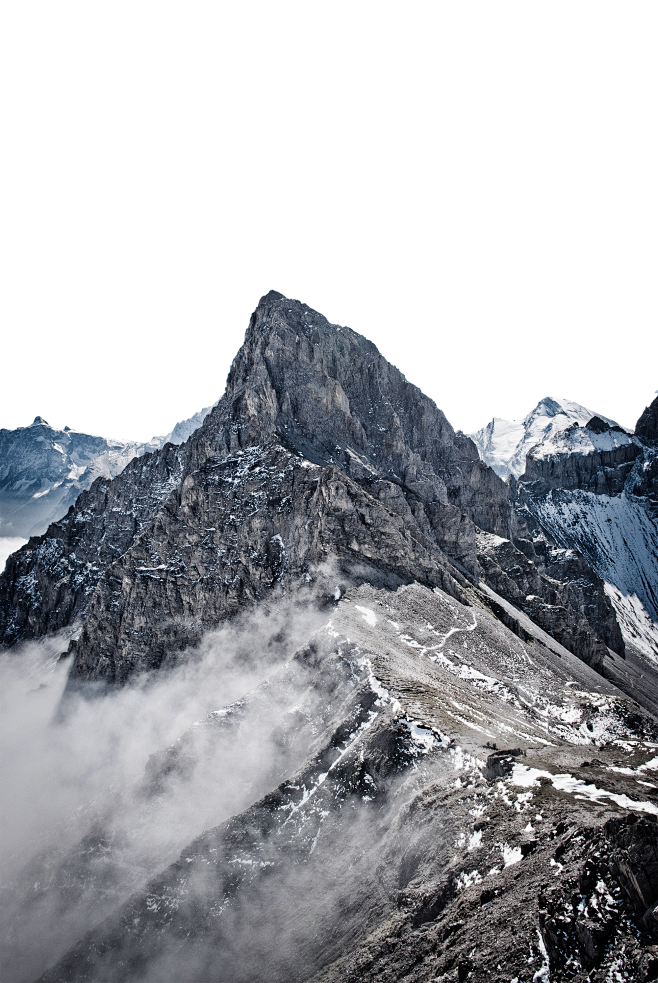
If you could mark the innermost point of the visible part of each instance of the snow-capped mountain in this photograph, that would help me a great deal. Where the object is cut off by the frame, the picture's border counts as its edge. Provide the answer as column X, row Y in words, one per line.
column 619, row 538
column 317, row 697
column 585, row 484
column 43, row 469
column 503, row 444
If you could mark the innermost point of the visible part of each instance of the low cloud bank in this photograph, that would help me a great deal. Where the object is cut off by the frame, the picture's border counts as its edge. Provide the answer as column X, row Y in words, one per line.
column 93, row 802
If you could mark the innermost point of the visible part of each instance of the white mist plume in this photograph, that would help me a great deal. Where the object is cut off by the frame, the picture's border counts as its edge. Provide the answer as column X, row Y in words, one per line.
column 78, row 777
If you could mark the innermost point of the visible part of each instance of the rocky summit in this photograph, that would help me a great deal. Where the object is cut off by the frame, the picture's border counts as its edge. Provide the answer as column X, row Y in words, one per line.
column 322, row 697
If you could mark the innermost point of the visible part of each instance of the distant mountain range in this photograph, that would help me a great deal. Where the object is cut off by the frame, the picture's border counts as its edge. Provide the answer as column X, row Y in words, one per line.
column 43, row 470
column 585, row 483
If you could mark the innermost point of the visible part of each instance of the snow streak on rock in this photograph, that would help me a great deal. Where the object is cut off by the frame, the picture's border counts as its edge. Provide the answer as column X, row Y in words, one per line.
column 620, row 539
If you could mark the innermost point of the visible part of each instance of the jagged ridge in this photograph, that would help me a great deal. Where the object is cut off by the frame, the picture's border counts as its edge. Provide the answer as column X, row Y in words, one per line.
column 237, row 513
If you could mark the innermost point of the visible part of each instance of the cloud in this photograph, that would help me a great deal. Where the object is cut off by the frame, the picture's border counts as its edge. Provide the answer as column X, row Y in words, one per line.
column 98, row 798
column 278, row 787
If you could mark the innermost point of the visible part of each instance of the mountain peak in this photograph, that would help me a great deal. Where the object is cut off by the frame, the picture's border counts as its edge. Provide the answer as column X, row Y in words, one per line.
column 39, row 422
column 647, row 425
column 269, row 297
column 326, row 393
column 503, row 444
column 550, row 406
column 288, row 579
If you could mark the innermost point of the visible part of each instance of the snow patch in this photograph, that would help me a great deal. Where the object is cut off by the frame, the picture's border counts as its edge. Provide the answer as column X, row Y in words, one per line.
column 503, row 444
column 543, row 973
column 466, row 880
column 620, row 540
column 529, row 777
column 511, row 855
column 369, row 616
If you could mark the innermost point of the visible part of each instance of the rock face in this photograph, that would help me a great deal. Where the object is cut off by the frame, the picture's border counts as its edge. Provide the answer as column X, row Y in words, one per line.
column 504, row 444
column 595, row 489
column 589, row 458
column 314, row 425
column 427, row 765
column 558, row 590
column 49, row 582
column 646, row 427
column 274, row 520
column 327, row 393
column 319, row 452
column 620, row 858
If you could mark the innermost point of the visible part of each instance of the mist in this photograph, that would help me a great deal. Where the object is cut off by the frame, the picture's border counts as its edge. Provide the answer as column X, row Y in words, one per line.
column 103, row 789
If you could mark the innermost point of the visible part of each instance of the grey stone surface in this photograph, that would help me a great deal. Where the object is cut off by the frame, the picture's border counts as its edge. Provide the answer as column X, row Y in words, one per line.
column 602, row 471
column 647, row 426
column 440, row 775
column 389, row 849
column 319, row 452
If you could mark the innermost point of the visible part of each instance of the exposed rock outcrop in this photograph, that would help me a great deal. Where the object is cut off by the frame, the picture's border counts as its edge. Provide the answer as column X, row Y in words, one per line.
column 314, row 424
column 647, row 426
column 595, row 489
column 559, row 592
column 319, row 452
column 241, row 530
column 616, row 883
column 591, row 459
column 48, row 583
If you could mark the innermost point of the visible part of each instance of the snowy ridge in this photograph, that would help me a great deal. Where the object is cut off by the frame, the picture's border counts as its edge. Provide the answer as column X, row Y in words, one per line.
column 579, row 440
column 615, row 533
column 503, row 444
column 43, row 470
column 618, row 537
column 184, row 429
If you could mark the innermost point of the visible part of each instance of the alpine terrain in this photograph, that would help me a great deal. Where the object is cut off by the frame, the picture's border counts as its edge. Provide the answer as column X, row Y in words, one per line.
column 43, row 470
column 319, row 695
